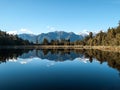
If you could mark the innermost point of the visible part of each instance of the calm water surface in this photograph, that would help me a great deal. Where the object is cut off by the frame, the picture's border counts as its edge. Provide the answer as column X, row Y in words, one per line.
column 59, row 70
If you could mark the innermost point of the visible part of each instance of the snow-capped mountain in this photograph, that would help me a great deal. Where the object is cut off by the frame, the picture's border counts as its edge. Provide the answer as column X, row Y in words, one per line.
column 30, row 37
column 86, row 33
column 57, row 35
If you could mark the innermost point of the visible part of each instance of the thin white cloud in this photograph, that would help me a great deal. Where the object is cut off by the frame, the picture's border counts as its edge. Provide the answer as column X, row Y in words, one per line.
column 86, row 32
column 83, row 59
column 12, row 32
column 21, row 31
column 12, row 60
column 51, row 28
column 50, row 64
column 25, row 61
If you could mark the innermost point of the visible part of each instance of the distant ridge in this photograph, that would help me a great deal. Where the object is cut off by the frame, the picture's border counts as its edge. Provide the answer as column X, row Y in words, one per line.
column 56, row 35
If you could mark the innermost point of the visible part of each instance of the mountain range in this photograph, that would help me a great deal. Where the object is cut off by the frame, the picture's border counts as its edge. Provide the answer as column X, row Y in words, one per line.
column 56, row 35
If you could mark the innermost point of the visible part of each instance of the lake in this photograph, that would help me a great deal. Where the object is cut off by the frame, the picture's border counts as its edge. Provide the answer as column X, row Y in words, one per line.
column 22, row 69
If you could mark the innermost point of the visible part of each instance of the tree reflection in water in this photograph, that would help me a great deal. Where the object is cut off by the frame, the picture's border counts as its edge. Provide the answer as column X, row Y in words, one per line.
column 6, row 54
column 112, row 58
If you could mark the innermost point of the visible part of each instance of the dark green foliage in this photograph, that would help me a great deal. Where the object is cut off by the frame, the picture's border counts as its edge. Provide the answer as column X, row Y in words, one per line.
column 9, row 39
column 90, row 34
column 45, row 41
column 56, row 42
column 112, row 58
column 6, row 54
column 109, row 38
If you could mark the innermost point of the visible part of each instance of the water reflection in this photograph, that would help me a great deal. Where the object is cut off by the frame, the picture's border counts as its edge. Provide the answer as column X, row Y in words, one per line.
column 6, row 54
column 53, row 70
column 113, row 59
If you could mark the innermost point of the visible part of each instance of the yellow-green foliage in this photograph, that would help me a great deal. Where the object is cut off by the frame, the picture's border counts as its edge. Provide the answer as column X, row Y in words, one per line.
column 109, row 38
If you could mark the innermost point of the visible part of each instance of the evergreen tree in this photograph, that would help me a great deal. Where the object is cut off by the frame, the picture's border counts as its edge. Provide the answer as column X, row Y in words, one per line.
column 45, row 41
column 9, row 39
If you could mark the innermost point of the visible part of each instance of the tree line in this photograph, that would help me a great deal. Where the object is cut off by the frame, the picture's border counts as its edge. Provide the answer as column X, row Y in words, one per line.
column 109, row 38
column 9, row 39
column 56, row 42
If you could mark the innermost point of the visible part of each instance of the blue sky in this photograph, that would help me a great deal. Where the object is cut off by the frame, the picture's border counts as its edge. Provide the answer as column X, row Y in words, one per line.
column 41, row 16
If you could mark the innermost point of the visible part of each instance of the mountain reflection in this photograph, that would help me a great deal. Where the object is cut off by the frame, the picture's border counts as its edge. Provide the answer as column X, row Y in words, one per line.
column 112, row 58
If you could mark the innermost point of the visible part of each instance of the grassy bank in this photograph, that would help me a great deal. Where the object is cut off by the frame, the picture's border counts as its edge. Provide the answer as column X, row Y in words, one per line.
column 103, row 48
column 107, row 48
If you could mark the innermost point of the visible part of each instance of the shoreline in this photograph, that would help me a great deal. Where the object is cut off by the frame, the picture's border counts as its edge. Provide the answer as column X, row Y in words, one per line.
column 102, row 48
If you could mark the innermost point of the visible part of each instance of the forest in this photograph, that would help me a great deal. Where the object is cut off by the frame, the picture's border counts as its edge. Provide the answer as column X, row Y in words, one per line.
column 9, row 39
column 109, row 38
